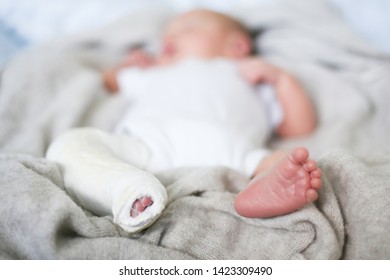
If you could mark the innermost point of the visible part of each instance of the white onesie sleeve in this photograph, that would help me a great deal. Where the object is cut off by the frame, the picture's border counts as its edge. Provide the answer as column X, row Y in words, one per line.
column 130, row 81
column 274, row 110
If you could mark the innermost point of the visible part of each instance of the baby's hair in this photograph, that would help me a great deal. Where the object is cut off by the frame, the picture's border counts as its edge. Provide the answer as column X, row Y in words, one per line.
column 239, row 25
column 235, row 24
column 242, row 28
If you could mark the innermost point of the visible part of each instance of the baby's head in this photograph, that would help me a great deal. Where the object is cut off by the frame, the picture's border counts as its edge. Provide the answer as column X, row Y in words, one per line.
column 204, row 34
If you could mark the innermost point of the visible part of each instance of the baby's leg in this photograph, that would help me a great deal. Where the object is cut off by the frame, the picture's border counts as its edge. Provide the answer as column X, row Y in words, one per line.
column 102, row 172
column 280, row 186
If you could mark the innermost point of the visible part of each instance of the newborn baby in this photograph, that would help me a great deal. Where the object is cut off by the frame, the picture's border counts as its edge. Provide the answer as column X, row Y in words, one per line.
column 200, row 102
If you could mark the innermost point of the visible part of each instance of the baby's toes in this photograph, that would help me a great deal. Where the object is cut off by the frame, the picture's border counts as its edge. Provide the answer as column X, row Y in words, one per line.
column 140, row 205
column 146, row 201
column 311, row 195
column 310, row 165
column 316, row 173
column 315, row 183
column 137, row 208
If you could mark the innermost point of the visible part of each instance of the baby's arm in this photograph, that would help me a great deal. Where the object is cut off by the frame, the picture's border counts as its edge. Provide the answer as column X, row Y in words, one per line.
column 299, row 113
column 136, row 58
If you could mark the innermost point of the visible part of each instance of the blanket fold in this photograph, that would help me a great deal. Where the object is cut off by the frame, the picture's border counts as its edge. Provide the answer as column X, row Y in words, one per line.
column 362, row 189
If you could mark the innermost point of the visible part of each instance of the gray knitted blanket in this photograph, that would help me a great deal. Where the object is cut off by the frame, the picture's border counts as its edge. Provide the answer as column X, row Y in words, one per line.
column 55, row 87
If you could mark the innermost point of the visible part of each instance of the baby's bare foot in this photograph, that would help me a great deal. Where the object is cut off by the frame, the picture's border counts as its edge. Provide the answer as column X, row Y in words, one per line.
column 291, row 184
column 140, row 205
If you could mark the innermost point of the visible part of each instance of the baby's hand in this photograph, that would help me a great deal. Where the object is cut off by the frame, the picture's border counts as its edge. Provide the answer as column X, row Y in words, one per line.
column 109, row 80
column 139, row 58
column 136, row 58
column 255, row 70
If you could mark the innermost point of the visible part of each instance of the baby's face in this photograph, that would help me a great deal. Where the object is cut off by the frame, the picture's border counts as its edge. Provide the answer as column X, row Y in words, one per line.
column 195, row 34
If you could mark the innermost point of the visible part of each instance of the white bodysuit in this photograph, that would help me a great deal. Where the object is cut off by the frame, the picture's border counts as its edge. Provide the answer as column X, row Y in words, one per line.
column 197, row 113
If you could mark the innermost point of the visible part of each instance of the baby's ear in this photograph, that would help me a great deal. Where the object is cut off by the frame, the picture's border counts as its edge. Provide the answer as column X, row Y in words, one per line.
column 239, row 45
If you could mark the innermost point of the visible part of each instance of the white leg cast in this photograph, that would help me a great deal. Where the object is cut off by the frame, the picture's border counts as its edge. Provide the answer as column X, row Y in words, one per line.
column 103, row 173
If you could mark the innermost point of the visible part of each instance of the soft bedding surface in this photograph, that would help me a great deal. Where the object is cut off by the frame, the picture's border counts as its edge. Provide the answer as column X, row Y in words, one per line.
column 57, row 86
